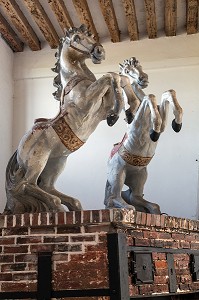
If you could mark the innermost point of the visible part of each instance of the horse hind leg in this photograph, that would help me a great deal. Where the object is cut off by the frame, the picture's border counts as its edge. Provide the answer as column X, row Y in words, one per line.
column 48, row 178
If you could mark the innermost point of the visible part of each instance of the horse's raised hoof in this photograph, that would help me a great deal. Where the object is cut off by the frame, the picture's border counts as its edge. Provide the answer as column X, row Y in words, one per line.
column 112, row 119
column 176, row 127
column 154, row 136
column 129, row 116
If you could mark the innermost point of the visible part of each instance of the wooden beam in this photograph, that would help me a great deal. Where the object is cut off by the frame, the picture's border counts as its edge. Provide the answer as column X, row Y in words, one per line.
column 170, row 17
column 151, row 18
column 21, row 24
column 110, row 19
column 10, row 36
column 85, row 17
column 129, row 9
column 192, row 16
column 61, row 13
column 43, row 22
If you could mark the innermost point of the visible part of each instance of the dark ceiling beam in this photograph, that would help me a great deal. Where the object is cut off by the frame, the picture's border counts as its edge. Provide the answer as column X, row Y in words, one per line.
column 85, row 17
column 21, row 24
column 110, row 19
column 151, row 18
column 61, row 13
column 170, row 17
column 10, row 36
column 132, row 24
column 40, row 17
column 192, row 16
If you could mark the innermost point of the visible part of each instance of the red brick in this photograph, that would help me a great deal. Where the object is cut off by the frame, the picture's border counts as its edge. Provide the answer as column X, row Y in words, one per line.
column 42, row 230
column 18, row 220
column 145, row 289
column 61, row 218
column 159, row 256
column 5, row 276
column 143, row 218
column 60, row 257
column 25, row 258
column 6, row 258
column 99, row 228
column 138, row 217
column 150, row 234
column 15, row 249
column 18, row 286
column 160, row 279
column 160, row 264
column 9, row 221
column 162, row 221
column 185, row 245
column 157, row 221
column 68, row 229
column 142, row 242
column 35, row 219
column 2, row 221
column 148, row 219
column 68, row 248
column 77, row 217
column 178, row 236
column 83, row 238
column 42, row 248
column 51, row 218
column 70, row 217
column 195, row 245
column 27, row 217
column 44, row 218
column 105, row 215
column 16, row 231
column 160, row 288
column 13, row 267
column 29, row 240
column 28, row 276
column 164, row 235
column 55, row 239
column 7, row 241
column 86, row 216
column 95, row 216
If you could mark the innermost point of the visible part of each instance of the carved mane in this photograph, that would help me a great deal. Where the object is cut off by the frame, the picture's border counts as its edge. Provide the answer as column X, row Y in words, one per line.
column 66, row 39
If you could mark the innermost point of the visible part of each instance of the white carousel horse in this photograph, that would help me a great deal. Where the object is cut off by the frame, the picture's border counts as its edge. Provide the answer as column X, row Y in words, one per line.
column 129, row 159
column 42, row 153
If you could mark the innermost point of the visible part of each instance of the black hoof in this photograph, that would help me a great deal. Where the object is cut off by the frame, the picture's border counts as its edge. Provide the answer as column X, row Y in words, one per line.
column 176, row 127
column 129, row 116
column 112, row 119
column 154, row 136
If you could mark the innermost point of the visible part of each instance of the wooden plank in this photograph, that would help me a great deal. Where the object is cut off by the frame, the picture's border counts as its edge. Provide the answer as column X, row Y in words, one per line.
column 85, row 17
column 151, row 18
column 10, row 36
column 192, row 16
column 61, row 13
column 43, row 22
column 21, row 24
column 110, row 19
column 132, row 24
column 170, row 17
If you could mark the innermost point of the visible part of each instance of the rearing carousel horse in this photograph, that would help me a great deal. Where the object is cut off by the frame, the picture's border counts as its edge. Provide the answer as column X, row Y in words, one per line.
column 42, row 153
column 129, row 159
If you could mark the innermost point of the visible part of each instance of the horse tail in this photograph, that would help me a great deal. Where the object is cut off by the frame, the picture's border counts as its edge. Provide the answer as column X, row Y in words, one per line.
column 13, row 175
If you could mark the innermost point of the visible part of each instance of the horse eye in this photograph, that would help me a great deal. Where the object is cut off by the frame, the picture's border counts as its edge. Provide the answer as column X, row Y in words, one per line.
column 76, row 38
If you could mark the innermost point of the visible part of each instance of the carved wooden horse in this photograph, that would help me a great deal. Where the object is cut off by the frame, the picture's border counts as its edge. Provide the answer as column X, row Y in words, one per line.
column 128, row 162
column 42, row 153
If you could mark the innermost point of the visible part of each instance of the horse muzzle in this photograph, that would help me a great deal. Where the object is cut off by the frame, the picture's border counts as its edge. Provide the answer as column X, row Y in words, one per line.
column 97, row 53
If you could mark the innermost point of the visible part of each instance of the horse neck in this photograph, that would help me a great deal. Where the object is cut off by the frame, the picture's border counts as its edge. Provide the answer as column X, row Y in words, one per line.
column 138, row 91
column 72, row 63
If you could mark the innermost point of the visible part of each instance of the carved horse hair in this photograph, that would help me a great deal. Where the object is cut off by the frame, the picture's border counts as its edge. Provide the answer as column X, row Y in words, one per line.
column 129, row 159
column 84, row 102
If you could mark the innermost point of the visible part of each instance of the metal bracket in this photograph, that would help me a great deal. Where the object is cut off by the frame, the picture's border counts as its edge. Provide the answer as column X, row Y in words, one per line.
column 141, row 267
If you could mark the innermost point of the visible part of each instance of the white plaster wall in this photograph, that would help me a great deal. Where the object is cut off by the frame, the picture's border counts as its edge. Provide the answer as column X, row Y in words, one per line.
column 6, row 113
column 170, row 63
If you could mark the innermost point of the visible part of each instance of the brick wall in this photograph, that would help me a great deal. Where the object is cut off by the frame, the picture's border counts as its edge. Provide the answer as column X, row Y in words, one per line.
column 78, row 242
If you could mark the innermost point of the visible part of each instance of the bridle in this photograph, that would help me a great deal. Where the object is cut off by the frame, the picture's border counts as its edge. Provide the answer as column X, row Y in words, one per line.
column 85, row 52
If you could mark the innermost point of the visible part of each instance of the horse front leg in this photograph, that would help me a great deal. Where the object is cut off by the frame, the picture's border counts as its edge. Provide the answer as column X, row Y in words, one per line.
column 169, row 97
column 132, row 99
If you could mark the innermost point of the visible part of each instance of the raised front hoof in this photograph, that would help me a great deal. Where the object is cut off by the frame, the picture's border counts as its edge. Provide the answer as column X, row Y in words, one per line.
column 112, row 119
column 129, row 116
column 154, row 136
column 176, row 127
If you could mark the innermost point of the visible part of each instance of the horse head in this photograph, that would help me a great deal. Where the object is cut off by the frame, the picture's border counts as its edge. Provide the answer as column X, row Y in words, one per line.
column 132, row 68
column 83, row 44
